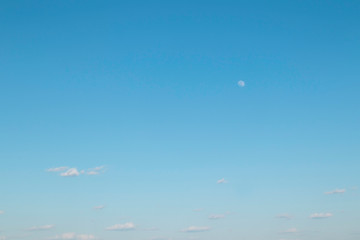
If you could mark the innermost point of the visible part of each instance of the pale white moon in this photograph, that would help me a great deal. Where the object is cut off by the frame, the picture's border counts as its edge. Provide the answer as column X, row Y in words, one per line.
column 241, row 83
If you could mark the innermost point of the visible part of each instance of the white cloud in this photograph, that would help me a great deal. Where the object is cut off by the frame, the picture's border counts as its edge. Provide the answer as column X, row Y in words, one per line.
column 95, row 170
column 40, row 228
column 336, row 191
column 85, row 237
column 57, row 169
column 196, row 229
column 214, row 217
column 3, row 238
column 320, row 215
column 291, row 230
column 221, row 181
column 74, row 236
column 72, row 172
column 121, row 227
column 2, row 212
column 99, row 207
column 241, row 83
column 284, row 216
column 98, row 168
column 65, row 236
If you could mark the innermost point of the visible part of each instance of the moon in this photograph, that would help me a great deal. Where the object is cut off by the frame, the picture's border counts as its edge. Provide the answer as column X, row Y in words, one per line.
column 241, row 83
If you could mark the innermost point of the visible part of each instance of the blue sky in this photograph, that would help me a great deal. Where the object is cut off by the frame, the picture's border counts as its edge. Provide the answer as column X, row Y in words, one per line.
column 125, row 120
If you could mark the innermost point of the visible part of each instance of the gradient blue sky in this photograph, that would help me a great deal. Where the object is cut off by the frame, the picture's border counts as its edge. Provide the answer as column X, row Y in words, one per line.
column 148, row 90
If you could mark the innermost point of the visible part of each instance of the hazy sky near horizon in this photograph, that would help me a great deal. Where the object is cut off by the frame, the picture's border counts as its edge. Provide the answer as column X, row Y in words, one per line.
column 179, row 120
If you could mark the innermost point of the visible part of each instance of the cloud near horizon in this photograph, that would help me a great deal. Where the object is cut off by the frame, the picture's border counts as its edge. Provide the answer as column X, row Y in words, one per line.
column 291, row 230
column 73, row 236
column 336, row 191
column 195, row 229
column 41, row 228
column 121, row 227
column 321, row 215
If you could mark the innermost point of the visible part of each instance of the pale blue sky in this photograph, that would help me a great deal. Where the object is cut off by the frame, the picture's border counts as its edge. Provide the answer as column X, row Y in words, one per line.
column 148, row 90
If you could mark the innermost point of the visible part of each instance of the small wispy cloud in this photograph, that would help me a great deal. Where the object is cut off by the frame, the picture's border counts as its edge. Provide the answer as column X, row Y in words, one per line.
column 95, row 170
column 3, row 238
column 41, row 228
column 57, row 169
column 72, row 172
column 122, row 227
column 284, row 216
column 291, row 230
column 65, row 236
column 98, row 168
column 320, row 215
column 195, row 229
column 336, row 191
column 1, row 212
column 220, row 181
column 85, row 237
column 216, row 216
column 99, row 207
column 241, row 83
column 73, row 236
